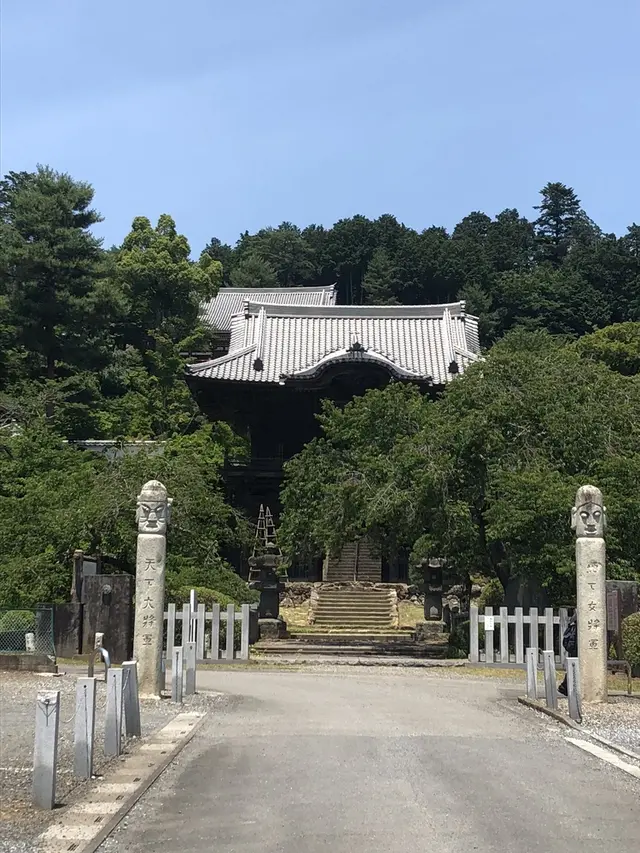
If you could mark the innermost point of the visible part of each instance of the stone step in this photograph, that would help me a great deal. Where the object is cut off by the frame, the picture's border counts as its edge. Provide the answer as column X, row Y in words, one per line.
column 355, row 623
column 355, row 596
column 363, row 606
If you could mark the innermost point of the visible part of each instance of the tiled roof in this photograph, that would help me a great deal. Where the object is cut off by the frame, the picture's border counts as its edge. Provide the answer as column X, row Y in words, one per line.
column 280, row 343
column 229, row 301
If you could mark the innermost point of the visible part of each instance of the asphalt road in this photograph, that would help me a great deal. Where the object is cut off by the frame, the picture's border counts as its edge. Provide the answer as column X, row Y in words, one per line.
column 363, row 761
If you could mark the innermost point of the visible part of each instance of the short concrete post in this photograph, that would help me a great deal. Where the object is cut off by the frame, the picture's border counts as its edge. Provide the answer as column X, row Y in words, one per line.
column 176, row 675
column 550, row 684
column 531, row 658
column 45, row 752
column 85, row 725
column 130, row 699
column 190, row 667
column 231, row 624
column 244, row 636
column 113, row 721
column 573, row 689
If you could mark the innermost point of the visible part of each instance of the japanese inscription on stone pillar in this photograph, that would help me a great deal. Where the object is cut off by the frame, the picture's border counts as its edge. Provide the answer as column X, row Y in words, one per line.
column 588, row 519
column 153, row 516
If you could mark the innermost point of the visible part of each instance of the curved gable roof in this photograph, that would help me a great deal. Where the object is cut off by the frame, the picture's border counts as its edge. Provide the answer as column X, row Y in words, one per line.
column 280, row 343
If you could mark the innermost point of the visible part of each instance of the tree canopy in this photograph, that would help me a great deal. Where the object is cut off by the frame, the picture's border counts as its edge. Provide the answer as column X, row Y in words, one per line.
column 485, row 475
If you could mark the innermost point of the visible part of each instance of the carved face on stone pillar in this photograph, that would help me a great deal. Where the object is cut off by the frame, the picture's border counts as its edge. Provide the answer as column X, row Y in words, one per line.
column 589, row 515
column 154, row 508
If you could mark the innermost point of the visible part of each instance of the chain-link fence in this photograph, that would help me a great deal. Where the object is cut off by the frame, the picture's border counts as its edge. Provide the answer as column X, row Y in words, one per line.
column 27, row 630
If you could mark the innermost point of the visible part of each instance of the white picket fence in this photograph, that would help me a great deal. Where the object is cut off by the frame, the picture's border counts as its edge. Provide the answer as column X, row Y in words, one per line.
column 203, row 627
column 504, row 631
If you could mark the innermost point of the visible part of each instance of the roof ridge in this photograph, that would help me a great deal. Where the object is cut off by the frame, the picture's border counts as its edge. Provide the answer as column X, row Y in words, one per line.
column 435, row 310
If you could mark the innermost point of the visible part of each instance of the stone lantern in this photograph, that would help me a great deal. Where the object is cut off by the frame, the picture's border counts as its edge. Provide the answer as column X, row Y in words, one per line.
column 265, row 577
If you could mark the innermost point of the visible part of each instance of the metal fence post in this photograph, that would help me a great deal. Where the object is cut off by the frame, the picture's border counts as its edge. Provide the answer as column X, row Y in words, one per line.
column 85, row 724
column 113, row 720
column 550, row 685
column 176, row 675
column 531, row 657
column 190, row 669
column 45, row 752
column 573, row 689
column 131, row 699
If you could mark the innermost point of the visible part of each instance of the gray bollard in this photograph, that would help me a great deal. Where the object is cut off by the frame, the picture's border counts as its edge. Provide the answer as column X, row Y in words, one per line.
column 131, row 699
column 531, row 658
column 176, row 675
column 550, row 684
column 85, row 725
column 113, row 720
column 573, row 689
column 45, row 752
column 190, row 669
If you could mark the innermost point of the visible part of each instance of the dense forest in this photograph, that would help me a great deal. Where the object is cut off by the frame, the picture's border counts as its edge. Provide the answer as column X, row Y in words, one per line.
column 93, row 344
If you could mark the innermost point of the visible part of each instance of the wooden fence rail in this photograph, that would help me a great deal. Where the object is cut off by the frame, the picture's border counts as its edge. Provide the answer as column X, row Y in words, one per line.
column 203, row 628
column 544, row 633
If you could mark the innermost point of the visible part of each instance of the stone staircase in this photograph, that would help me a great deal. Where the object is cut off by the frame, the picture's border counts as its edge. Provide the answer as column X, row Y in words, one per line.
column 355, row 609
column 355, row 562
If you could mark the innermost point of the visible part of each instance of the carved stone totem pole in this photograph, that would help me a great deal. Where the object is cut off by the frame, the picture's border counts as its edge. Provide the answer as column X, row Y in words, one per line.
column 153, row 515
column 588, row 519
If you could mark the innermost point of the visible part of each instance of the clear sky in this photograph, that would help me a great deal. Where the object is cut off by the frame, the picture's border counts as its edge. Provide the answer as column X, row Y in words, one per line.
column 236, row 114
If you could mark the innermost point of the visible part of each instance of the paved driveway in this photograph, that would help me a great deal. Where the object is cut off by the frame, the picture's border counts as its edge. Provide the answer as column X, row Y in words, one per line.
column 383, row 760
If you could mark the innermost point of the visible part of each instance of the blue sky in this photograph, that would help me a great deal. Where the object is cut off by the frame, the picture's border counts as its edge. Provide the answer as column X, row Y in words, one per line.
column 236, row 114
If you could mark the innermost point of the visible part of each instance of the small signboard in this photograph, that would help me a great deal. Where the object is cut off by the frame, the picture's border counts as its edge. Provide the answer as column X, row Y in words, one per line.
column 613, row 611
column 489, row 623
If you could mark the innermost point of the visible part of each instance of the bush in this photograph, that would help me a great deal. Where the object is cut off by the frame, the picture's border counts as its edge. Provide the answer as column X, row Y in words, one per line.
column 631, row 639
column 205, row 595
column 492, row 595
column 17, row 622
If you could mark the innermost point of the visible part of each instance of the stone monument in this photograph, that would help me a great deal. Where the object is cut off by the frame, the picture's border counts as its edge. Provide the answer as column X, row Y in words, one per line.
column 588, row 519
column 153, row 515
column 264, row 576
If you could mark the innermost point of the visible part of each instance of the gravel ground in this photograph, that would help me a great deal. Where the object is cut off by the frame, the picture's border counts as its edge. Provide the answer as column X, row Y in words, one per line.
column 19, row 820
column 619, row 721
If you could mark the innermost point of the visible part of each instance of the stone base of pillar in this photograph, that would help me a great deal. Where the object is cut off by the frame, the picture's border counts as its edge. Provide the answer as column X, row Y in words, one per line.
column 426, row 631
column 273, row 629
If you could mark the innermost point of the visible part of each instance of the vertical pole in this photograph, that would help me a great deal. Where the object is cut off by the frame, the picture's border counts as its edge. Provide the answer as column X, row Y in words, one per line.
column 532, row 673
column 488, row 635
column 186, row 624
column 85, row 724
column 113, row 721
column 504, row 635
column 171, row 632
column 193, row 609
column 550, row 685
column 176, row 675
column 548, row 629
column 573, row 689
column 244, row 641
column 200, row 633
column 519, row 635
column 131, row 700
column 562, row 627
column 215, row 632
column 231, row 620
column 45, row 752
column 533, row 630
column 474, row 650
column 190, row 673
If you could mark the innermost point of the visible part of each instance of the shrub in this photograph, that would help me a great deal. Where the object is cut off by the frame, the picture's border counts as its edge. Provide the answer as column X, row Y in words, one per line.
column 17, row 622
column 631, row 639
column 492, row 595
